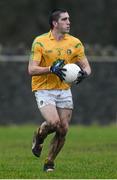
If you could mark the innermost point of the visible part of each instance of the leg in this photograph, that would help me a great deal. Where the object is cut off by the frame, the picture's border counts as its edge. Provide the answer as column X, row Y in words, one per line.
column 49, row 126
column 59, row 138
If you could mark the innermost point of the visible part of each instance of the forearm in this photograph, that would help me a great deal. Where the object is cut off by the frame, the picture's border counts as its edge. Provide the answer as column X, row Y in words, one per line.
column 37, row 70
column 84, row 64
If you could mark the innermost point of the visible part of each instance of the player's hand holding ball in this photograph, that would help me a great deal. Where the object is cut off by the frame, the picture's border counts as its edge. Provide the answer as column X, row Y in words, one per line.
column 73, row 73
column 57, row 68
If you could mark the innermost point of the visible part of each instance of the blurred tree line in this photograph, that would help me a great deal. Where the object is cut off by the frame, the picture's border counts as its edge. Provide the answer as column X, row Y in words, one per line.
column 92, row 21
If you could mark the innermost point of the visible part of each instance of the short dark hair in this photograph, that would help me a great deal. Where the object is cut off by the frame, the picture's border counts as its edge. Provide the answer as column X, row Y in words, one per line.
column 54, row 16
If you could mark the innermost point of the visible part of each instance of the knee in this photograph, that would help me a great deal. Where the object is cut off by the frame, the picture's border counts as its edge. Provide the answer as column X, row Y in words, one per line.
column 63, row 129
column 55, row 124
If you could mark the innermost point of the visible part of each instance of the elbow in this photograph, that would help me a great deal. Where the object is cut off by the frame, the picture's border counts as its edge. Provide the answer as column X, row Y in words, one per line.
column 30, row 72
column 88, row 71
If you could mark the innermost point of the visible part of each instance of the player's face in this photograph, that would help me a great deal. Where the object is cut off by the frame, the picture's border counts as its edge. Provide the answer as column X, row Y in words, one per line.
column 63, row 24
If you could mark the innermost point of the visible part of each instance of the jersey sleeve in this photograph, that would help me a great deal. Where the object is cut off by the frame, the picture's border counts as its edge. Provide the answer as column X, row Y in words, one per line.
column 79, row 51
column 36, row 51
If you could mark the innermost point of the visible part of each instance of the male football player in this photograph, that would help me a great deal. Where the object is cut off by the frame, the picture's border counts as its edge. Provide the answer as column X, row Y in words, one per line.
column 50, row 51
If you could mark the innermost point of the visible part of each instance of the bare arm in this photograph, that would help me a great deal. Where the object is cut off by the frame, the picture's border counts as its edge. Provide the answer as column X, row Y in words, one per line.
column 35, row 69
column 84, row 64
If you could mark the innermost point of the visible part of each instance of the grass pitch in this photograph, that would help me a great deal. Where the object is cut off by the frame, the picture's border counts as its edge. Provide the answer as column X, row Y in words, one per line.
column 89, row 153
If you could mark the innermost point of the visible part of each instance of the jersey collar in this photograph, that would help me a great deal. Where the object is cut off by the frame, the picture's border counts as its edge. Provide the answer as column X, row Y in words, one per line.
column 52, row 37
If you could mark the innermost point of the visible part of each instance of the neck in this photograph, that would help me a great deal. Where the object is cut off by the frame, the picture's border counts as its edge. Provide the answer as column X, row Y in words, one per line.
column 57, row 35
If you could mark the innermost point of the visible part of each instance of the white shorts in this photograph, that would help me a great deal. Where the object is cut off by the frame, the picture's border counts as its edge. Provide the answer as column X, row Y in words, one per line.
column 58, row 98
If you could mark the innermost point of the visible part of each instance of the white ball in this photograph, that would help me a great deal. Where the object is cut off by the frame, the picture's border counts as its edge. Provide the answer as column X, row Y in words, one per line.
column 72, row 72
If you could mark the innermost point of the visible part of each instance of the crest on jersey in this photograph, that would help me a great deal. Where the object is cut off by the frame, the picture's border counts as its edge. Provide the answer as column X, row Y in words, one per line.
column 69, row 51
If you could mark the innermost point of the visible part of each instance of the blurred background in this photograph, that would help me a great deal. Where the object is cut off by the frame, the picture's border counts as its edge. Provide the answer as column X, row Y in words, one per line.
column 94, row 22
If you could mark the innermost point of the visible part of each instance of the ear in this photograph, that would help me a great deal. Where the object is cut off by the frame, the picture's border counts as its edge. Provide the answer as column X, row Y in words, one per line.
column 54, row 23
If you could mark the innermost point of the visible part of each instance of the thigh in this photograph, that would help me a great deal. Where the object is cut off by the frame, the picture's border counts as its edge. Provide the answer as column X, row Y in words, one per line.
column 65, row 115
column 50, row 113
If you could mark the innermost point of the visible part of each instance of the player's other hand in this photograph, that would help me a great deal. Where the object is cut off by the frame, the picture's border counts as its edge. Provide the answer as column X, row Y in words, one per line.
column 83, row 75
column 57, row 68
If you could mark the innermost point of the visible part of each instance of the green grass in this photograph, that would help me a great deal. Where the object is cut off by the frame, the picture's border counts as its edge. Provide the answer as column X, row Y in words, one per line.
column 89, row 153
